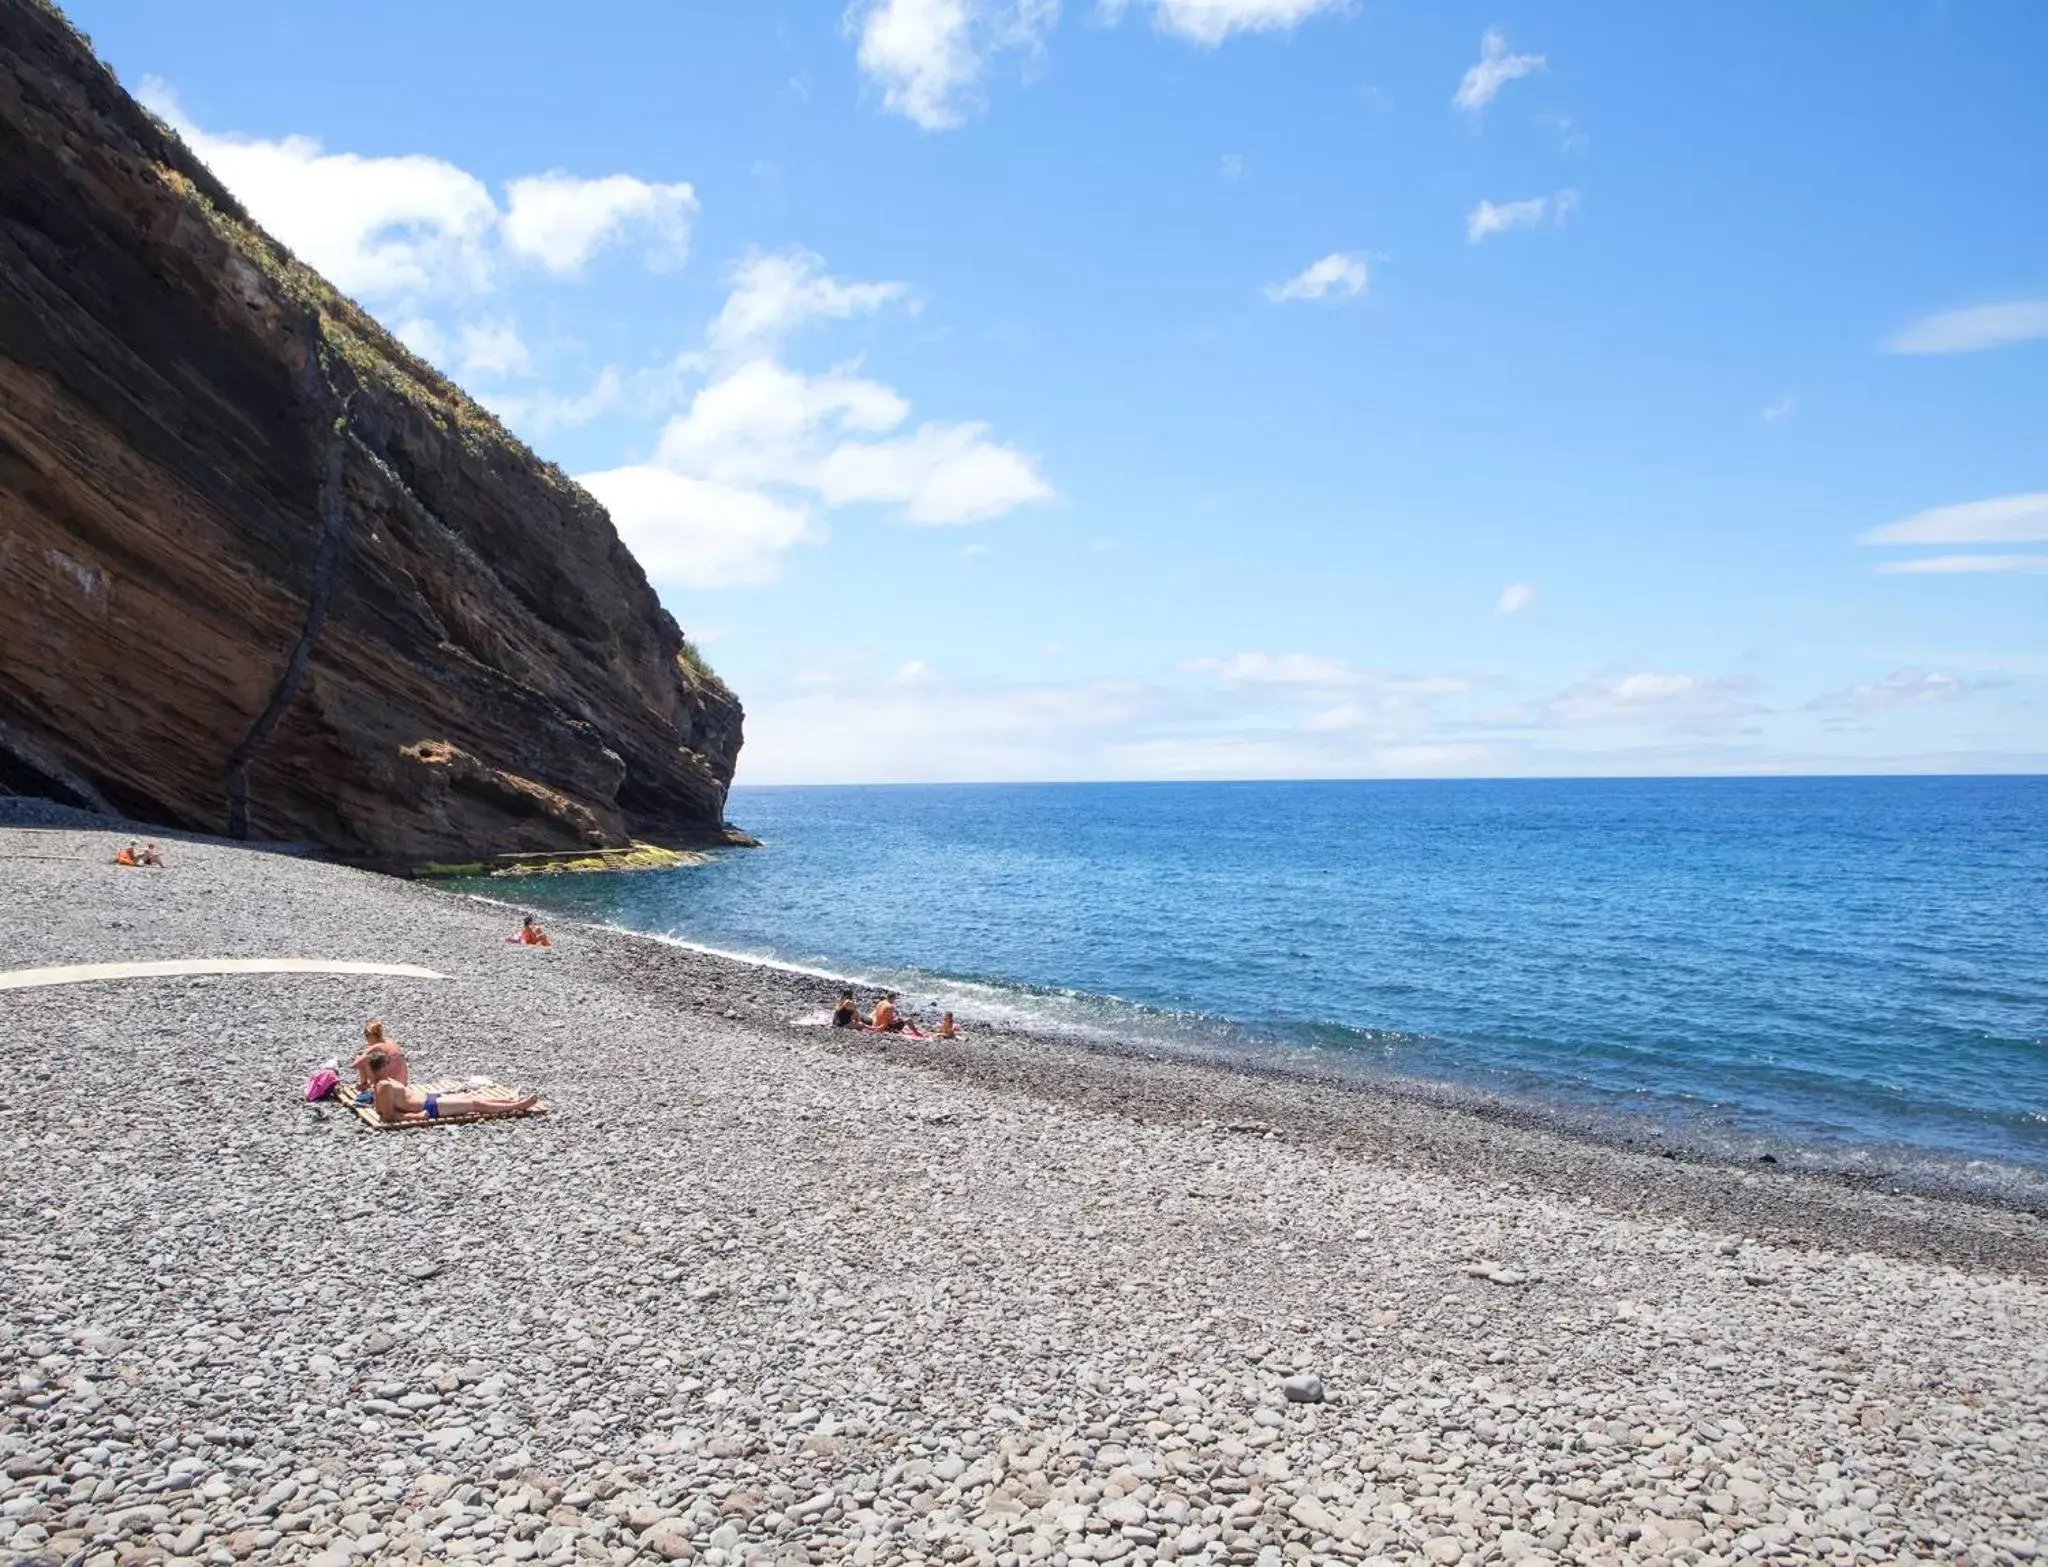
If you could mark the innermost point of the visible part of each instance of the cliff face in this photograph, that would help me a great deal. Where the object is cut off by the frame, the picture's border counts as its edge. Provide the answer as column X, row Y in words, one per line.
column 261, row 568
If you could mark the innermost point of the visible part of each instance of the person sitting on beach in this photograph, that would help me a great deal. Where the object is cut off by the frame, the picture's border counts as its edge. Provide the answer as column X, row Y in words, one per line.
column 887, row 1020
column 398, row 1101
column 529, row 934
column 381, row 1059
column 847, row 1013
column 947, row 1029
column 150, row 856
column 128, row 854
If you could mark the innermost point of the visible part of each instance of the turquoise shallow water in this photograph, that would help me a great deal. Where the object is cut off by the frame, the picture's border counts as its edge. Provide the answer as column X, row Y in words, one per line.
column 1857, row 961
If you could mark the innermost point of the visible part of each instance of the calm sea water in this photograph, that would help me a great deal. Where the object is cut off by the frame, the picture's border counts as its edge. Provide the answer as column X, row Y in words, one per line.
column 1847, row 961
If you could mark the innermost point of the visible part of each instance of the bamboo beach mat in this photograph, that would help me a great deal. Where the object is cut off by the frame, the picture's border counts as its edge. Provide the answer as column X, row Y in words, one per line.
column 368, row 1115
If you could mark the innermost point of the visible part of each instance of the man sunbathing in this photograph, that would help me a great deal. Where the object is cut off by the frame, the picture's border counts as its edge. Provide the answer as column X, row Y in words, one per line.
column 382, row 1057
column 887, row 1020
column 401, row 1102
column 151, row 856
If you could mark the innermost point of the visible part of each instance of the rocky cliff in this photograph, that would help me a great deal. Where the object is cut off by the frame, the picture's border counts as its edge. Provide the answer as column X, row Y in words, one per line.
column 261, row 570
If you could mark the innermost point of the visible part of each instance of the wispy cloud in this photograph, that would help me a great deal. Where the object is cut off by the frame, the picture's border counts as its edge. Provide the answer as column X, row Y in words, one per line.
column 1340, row 275
column 2001, row 519
column 1963, row 565
column 1490, row 218
column 775, row 294
column 1569, row 137
column 1259, row 714
column 1685, row 703
column 1778, row 409
column 1493, row 70
column 1209, row 22
column 1909, row 687
column 1973, row 330
column 1516, row 595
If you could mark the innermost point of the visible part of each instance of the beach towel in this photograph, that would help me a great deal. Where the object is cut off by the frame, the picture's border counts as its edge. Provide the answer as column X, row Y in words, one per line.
column 368, row 1115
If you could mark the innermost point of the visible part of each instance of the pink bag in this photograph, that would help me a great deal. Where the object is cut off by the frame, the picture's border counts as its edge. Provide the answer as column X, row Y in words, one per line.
column 322, row 1083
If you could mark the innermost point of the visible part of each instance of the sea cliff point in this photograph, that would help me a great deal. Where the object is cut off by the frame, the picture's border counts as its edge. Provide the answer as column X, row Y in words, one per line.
column 262, row 570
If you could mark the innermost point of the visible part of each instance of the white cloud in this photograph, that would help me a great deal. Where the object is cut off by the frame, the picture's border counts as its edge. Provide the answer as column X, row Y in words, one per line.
column 1341, row 274
column 1516, row 595
column 1901, row 688
column 1778, row 409
column 2002, row 519
column 858, row 716
column 1954, row 565
column 543, row 411
column 762, row 444
column 494, row 348
column 1231, row 167
column 766, row 424
column 1209, row 22
column 696, row 533
column 423, row 335
column 1310, row 676
column 416, row 227
column 929, row 55
column 561, row 221
column 1490, row 218
column 1973, row 330
column 775, row 294
column 409, row 225
column 942, row 473
column 1269, row 669
column 1493, row 70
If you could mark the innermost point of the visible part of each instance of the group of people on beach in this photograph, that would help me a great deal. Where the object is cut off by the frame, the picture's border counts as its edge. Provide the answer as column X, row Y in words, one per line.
column 148, row 854
column 887, row 1019
column 384, row 1077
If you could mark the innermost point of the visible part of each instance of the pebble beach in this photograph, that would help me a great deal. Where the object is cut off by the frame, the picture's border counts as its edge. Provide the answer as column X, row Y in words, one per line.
column 760, row 1292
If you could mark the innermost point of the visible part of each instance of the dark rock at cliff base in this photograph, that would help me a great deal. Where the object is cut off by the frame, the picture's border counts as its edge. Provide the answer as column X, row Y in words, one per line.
column 263, row 571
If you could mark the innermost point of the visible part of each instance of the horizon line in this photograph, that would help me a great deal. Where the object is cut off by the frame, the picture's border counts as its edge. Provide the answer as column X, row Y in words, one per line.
column 1391, row 778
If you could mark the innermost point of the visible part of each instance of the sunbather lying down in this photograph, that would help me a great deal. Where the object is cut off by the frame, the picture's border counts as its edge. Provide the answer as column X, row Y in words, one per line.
column 401, row 1102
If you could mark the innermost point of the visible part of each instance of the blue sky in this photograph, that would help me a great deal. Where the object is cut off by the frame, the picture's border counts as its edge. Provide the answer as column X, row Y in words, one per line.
column 1230, row 388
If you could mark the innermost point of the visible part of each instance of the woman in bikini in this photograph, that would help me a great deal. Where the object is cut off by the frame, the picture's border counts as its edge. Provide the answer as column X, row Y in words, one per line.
column 529, row 934
column 382, row 1057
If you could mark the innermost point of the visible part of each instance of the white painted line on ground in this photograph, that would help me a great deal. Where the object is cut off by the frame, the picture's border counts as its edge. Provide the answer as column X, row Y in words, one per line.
column 79, row 973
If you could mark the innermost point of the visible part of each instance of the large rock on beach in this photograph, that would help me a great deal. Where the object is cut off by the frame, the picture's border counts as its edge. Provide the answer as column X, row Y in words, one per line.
column 262, row 570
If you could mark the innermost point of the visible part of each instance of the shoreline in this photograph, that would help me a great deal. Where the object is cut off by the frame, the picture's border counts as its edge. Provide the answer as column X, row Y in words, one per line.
column 758, row 1293
column 1896, row 1169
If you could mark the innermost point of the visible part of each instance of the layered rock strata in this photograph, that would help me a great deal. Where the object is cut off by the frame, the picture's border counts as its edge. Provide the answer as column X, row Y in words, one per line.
column 263, row 571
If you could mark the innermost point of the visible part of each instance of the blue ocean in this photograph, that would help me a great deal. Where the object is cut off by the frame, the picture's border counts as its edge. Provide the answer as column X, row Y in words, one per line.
column 1861, row 963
